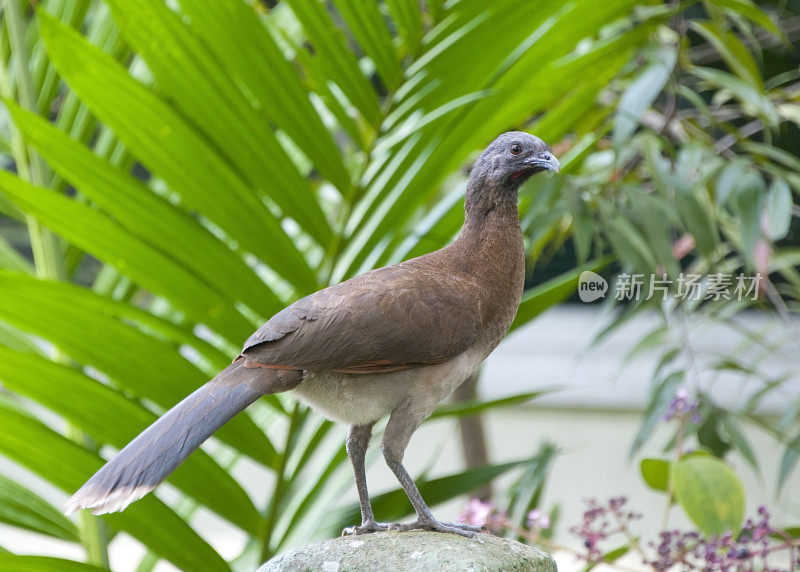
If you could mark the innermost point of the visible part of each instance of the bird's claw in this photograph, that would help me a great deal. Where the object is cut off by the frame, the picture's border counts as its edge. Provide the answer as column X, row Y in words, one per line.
column 366, row 527
column 469, row 527
column 436, row 526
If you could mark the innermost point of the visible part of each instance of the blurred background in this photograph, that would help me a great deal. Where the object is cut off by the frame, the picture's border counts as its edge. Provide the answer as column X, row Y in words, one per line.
column 176, row 172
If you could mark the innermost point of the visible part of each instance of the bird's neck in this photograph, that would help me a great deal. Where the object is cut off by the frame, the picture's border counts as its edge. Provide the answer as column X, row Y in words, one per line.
column 491, row 222
column 489, row 250
column 484, row 199
column 490, row 244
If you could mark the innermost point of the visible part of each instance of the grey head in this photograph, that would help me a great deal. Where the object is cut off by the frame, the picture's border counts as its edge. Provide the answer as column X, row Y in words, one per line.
column 512, row 158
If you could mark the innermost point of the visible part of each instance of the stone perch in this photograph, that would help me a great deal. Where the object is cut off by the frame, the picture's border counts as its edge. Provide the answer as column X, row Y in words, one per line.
column 413, row 551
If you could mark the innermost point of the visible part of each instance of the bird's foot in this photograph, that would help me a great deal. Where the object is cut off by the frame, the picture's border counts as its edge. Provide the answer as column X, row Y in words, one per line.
column 467, row 527
column 367, row 527
column 436, row 526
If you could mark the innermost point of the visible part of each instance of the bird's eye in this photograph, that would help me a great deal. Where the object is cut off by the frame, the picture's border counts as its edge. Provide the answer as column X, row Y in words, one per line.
column 516, row 149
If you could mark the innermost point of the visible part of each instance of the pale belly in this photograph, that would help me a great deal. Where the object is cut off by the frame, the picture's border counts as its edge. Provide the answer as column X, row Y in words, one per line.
column 362, row 399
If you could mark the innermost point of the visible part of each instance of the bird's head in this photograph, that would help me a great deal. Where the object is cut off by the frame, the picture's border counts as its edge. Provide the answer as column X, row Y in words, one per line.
column 512, row 158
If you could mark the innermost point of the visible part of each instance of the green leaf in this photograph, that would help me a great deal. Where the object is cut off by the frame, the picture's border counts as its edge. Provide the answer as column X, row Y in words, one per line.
column 146, row 215
column 792, row 531
column 407, row 15
column 709, row 435
column 771, row 152
column 232, row 31
column 540, row 298
column 641, row 94
column 436, row 229
column 629, row 243
column 23, row 508
column 99, row 235
column 11, row 259
column 729, row 180
column 109, row 417
column 61, row 313
column 526, row 493
column 655, row 473
column 748, row 203
column 710, row 493
column 465, row 408
column 24, row 563
column 394, row 505
column 68, row 466
column 789, row 460
column 732, row 50
column 696, row 214
column 332, row 57
column 198, row 84
column 778, row 209
column 365, row 21
column 169, row 146
column 751, row 11
column 616, row 554
column 660, row 395
column 737, row 438
column 751, row 98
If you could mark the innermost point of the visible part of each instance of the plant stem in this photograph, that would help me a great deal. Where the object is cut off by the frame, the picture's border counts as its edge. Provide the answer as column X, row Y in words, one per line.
column 185, row 508
column 299, row 415
column 92, row 530
column 47, row 248
column 553, row 546
column 298, row 418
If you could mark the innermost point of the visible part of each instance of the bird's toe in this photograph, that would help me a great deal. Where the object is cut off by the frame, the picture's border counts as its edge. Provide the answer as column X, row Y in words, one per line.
column 366, row 528
column 436, row 526
column 467, row 527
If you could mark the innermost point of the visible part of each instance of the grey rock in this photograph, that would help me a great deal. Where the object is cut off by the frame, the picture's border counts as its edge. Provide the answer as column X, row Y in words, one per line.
column 413, row 551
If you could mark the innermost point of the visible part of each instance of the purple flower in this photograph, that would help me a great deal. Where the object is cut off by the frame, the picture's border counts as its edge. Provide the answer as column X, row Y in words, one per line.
column 724, row 553
column 682, row 407
column 601, row 521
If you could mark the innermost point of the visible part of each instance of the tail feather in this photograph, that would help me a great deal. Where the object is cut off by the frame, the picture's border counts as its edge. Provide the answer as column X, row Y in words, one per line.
column 158, row 450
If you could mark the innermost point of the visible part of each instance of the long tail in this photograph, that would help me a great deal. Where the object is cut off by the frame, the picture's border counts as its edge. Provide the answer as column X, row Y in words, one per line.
column 158, row 450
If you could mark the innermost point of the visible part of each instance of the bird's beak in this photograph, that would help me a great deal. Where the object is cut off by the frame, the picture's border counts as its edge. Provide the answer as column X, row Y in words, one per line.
column 545, row 161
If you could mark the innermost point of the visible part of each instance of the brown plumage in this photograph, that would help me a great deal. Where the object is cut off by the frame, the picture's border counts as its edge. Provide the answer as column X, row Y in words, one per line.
column 393, row 341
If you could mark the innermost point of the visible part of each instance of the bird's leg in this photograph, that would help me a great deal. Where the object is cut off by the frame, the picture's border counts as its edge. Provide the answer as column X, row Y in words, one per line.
column 395, row 440
column 357, row 441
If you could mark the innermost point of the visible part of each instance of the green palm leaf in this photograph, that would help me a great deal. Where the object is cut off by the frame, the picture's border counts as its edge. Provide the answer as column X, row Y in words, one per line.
column 194, row 82
column 108, row 416
column 23, row 508
column 58, row 313
column 68, row 465
column 169, row 146
column 149, row 217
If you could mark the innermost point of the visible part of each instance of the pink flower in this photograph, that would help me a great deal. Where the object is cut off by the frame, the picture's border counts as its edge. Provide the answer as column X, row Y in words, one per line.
column 683, row 246
column 762, row 253
column 476, row 513
column 537, row 520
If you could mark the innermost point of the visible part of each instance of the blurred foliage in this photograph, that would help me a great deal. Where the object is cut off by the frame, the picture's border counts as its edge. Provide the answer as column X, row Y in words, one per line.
column 694, row 173
column 180, row 171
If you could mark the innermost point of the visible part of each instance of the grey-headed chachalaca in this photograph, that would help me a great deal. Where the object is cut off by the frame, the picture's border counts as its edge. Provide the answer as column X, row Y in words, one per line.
column 393, row 341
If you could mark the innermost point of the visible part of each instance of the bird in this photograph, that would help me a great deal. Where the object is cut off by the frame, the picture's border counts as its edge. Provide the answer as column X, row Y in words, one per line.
column 394, row 341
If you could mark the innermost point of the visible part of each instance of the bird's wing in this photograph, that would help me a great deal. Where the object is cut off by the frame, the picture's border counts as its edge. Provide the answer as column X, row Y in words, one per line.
column 387, row 319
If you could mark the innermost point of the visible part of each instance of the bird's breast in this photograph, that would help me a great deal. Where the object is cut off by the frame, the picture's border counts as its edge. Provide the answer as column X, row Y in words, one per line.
column 362, row 399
